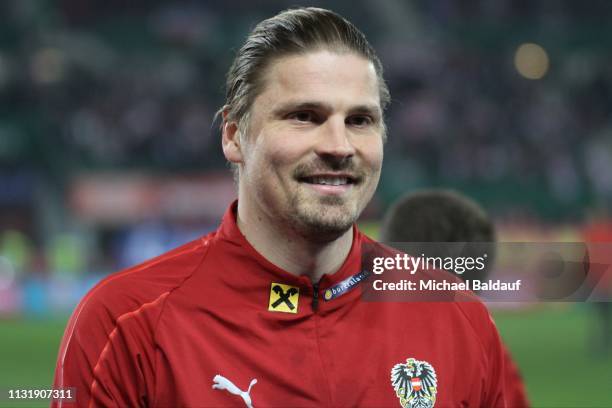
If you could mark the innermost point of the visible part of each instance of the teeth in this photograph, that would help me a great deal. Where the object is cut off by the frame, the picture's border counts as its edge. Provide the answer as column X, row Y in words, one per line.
column 330, row 181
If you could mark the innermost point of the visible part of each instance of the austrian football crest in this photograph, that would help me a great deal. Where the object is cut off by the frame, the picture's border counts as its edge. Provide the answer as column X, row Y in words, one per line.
column 415, row 384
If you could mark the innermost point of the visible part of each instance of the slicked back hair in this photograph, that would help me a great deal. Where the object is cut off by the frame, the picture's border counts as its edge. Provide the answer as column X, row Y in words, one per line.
column 291, row 32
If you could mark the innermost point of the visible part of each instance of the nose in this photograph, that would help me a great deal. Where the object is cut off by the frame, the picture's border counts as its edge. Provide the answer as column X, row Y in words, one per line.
column 334, row 140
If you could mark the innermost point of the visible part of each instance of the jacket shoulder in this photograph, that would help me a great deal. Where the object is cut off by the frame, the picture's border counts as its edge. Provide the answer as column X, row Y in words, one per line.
column 129, row 290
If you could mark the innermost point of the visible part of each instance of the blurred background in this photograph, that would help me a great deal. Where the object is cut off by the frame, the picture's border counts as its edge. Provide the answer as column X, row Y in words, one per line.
column 109, row 154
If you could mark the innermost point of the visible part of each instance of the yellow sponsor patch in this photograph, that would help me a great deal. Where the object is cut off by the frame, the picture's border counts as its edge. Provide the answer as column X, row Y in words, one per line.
column 283, row 298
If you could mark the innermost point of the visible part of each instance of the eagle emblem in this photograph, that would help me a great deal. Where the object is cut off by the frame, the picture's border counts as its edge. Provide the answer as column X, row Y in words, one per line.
column 415, row 384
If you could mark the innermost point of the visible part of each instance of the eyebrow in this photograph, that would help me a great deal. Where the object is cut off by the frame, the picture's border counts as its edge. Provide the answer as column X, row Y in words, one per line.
column 291, row 106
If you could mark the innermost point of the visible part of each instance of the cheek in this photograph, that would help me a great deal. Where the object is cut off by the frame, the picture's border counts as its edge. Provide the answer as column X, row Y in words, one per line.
column 271, row 165
column 280, row 155
column 373, row 155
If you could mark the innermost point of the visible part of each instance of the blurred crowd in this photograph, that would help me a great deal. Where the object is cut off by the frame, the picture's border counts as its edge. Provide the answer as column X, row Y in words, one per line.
column 114, row 84
column 93, row 86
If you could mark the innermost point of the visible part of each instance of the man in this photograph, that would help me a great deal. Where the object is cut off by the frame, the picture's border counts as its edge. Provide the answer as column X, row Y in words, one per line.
column 442, row 216
column 243, row 316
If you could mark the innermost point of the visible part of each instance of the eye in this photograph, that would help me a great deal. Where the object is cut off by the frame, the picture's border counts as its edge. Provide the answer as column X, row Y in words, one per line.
column 303, row 116
column 360, row 120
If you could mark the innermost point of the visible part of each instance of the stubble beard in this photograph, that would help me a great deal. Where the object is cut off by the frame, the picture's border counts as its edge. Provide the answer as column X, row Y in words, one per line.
column 323, row 219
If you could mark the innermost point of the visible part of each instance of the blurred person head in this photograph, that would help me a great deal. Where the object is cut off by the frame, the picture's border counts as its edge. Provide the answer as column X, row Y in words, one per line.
column 441, row 216
column 303, row 123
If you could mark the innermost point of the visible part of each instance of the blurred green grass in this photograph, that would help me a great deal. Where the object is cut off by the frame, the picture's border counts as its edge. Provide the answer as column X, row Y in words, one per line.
column 28, row 349
column 552, row 348
column 550, row 345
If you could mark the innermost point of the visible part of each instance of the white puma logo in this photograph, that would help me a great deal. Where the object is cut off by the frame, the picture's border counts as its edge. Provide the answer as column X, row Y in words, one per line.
column 222, row 383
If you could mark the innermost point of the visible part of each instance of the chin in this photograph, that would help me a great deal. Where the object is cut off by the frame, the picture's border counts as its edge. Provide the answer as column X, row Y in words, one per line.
column 324, row 224
column 324, row 232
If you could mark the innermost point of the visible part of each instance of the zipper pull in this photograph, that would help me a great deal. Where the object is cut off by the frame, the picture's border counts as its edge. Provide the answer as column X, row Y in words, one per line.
column 315, row 296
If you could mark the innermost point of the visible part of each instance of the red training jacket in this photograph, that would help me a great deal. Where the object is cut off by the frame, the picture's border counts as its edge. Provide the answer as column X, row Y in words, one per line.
column 214, row 324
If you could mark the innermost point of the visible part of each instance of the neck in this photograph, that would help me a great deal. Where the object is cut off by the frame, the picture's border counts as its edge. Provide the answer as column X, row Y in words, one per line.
column 290, row 251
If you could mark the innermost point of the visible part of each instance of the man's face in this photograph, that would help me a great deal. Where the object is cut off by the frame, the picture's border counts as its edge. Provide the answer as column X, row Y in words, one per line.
column 313, row 149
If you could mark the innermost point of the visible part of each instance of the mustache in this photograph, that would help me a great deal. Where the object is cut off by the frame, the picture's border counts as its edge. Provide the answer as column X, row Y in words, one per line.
column 346, row 165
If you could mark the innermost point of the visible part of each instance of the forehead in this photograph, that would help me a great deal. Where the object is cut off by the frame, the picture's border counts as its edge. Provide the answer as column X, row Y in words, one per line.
column 340, row 79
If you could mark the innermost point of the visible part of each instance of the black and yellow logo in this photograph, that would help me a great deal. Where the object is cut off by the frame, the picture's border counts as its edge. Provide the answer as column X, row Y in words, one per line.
column 283, row 298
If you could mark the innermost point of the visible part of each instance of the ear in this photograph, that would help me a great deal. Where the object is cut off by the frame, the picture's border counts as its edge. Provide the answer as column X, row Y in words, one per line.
column 230, row 139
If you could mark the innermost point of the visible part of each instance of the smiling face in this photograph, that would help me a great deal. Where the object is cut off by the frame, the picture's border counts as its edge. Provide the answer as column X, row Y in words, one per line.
column 312, row 153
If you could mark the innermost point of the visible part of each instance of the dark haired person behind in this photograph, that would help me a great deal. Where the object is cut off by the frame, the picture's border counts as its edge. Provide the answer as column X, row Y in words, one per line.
column 244, row 316
column 438, row 216
column 441, row 216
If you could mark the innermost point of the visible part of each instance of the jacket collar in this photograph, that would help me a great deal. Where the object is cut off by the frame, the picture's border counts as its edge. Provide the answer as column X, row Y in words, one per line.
column 231, row 234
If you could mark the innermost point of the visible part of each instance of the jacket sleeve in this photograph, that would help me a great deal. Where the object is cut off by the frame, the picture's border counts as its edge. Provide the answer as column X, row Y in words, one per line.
column 495, row 390
column 107, row 352
column 516, row 396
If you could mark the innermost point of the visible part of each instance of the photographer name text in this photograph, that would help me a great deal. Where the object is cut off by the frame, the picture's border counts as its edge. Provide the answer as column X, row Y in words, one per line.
column 445, row 285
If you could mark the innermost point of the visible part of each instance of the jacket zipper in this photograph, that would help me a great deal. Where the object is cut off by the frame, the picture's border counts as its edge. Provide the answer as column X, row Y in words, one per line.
column 315, row 296
column 316, row 319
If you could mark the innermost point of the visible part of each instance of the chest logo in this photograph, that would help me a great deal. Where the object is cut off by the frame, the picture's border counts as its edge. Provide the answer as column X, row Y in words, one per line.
column 415, row 383
column 283, row 298
column 222, row 383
